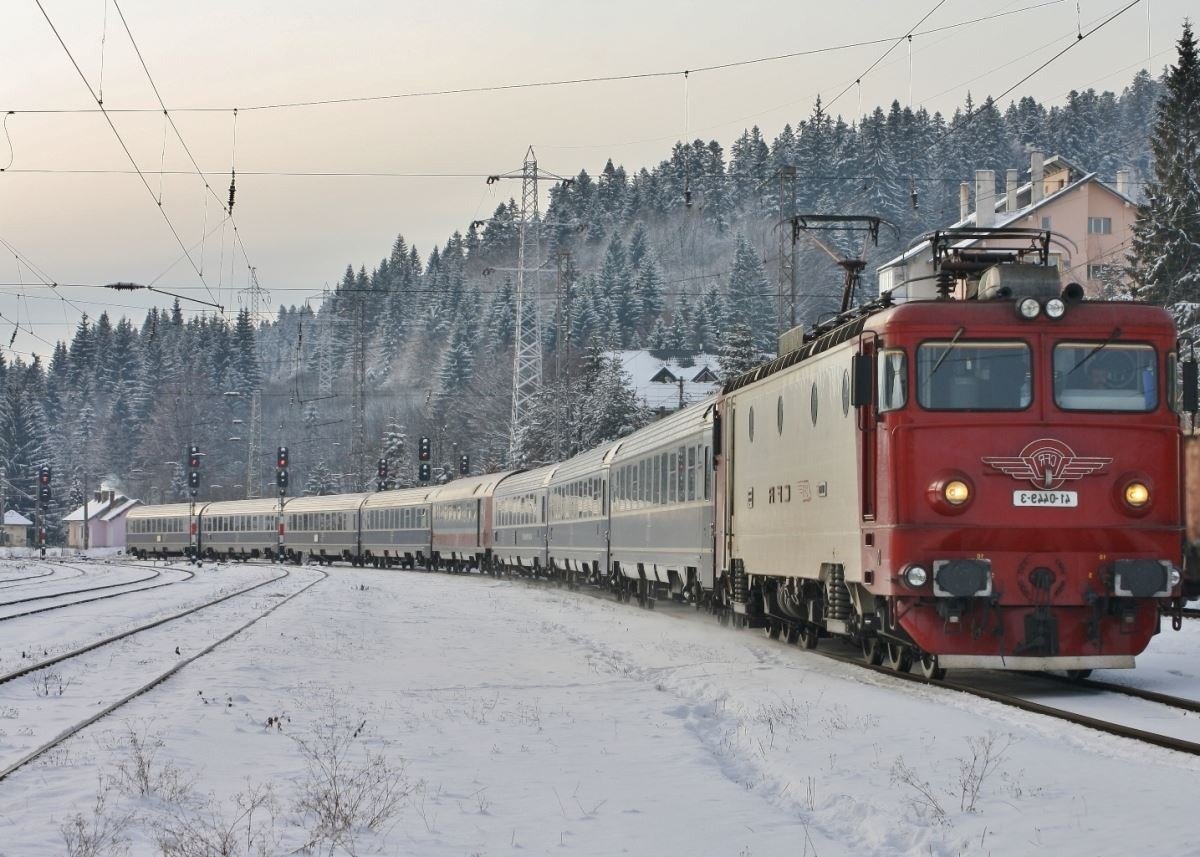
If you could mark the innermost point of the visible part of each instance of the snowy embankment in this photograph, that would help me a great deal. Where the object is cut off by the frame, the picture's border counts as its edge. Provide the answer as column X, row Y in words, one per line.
column 475, row 716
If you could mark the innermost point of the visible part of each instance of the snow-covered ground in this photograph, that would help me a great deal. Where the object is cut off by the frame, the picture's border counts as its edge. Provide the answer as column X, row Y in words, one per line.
column 512, row 719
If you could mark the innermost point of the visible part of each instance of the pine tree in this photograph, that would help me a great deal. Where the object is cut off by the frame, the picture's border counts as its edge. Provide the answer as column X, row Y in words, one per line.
column 748, row 295
column 320, row 480
column 738, row 353
column 1166, row 238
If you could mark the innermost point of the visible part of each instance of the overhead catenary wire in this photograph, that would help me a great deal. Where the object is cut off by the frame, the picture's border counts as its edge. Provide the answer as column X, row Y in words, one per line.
column 121, row 140
column 572, row 81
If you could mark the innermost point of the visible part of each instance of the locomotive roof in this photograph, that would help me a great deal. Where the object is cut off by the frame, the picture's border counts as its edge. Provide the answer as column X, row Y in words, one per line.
column 882, row 316
column 469, row 487
column 398, row 497
column 682, row 423
column 326, row 503
column 242, row 507
column 167, row 510
column 527, row 480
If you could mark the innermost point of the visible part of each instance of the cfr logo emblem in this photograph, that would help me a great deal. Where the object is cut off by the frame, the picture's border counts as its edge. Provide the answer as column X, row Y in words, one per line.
column 1047, row 464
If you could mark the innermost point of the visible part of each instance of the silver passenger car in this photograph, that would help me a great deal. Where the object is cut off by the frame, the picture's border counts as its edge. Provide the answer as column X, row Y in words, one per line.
column 462, row 510
column 519, row 521
column 240, row 528
column 396, row 529
column 322, row 528
column 578, row 513
column 662, row 511
column 159, row 530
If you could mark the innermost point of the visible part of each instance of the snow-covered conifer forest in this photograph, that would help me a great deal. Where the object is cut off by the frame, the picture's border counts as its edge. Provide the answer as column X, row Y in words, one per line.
column 679, row 255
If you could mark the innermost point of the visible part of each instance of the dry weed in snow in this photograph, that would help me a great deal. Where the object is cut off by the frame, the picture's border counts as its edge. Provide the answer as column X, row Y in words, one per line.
column 100, row 833
column 248, row 829
column 346, row 788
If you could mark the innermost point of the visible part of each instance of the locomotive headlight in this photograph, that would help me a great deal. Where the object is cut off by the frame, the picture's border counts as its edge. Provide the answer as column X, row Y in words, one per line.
column 1055, row 307
column 1137, row 494
column 956, row 492
column 1028, row 308
column 915, row 576
column 1174, row 577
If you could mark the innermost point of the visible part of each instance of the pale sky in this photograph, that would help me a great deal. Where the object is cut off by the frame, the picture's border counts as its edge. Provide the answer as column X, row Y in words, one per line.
column 300, row 232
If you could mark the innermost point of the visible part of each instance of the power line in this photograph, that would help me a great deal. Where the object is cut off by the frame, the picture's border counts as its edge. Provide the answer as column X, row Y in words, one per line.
column 609, row 78
column 124, row 147
column 883, row 55
column 228, row 209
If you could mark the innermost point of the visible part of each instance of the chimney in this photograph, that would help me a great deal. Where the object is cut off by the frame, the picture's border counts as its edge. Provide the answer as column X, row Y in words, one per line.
column 1010, row 190
column 1123, row 181
column 1037, row 175
column 985, row 198
column 964, row 201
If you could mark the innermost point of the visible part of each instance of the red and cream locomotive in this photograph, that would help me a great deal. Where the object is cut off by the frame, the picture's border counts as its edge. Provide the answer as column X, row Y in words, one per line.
column 988, row 481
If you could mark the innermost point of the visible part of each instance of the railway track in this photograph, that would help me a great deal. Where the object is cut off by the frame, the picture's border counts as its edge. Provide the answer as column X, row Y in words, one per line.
column 158, row 679
column 1108, row 727
column 189, row 575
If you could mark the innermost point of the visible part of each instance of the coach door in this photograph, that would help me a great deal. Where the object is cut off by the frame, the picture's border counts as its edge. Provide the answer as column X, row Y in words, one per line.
column 864, row 399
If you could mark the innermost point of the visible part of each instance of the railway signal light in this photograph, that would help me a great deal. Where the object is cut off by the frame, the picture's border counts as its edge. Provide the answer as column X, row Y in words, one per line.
column 44, row 485
column 283, row 457
column 423, row 471
column 464, row 464
column 193, row 469
column 281, row 479
column 423, row 449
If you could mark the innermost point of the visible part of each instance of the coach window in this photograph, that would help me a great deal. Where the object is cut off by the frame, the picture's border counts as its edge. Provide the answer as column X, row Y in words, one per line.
column 750, row 425
column 671, row 479
column 691, row 473
column 974, row 376
column 664, row 476
column 892, row 382
column 1105, row 376
column 707, row 473
column 812, row 403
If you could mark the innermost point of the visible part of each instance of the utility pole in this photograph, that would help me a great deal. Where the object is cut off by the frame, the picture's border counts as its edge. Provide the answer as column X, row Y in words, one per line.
column 3, row 503
column 358, row 407
column 254, row 298
column 787, row 249
column 527, row 338
column 560, row 344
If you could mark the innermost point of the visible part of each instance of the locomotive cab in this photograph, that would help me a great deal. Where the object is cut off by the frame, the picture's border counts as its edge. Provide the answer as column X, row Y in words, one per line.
column 1020, row 464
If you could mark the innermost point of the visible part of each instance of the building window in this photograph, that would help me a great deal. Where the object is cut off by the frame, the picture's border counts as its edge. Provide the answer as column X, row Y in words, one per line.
column 1100, row 272
column 1100, row 226
column 1046, row 221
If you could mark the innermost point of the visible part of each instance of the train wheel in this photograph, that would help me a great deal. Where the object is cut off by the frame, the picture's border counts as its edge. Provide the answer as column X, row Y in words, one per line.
column 1078, row 675
column 899, row 657
column 809, row 634
column 928, row 665
column 773, row 629
column 793, row 635
column 872, row 650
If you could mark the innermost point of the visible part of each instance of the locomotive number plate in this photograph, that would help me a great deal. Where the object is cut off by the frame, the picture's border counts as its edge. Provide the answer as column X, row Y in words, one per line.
column 1045, row 498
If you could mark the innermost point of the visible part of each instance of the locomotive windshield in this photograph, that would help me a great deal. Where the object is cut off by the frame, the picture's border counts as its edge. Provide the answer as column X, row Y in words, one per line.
column 973, row 376
column 1096, row 376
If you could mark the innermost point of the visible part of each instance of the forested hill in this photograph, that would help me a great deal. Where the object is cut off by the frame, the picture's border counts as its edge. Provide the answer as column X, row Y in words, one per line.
column 665, row 256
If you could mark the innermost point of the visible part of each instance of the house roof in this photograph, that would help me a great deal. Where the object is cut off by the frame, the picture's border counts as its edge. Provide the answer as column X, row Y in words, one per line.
column 98, row 509
column 655, row 380
column 13, row 518
column 1005, row 218
column 119, row 509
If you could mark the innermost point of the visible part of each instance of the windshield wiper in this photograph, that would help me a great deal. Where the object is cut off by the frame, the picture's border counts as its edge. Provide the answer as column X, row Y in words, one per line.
column 1111, row 338
column 946, row 353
